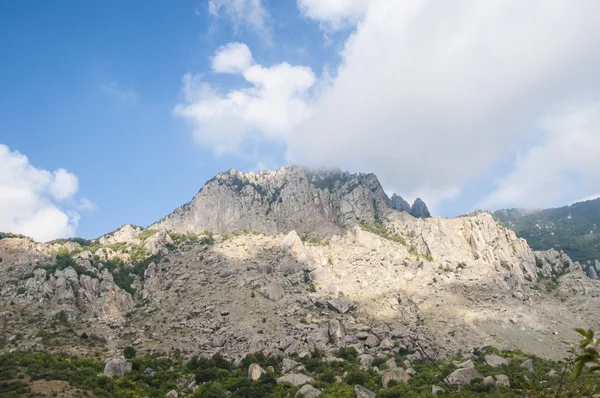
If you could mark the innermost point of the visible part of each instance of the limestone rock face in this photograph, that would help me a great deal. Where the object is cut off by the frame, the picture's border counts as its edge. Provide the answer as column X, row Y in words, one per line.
column 311, row 202
column 124, row 234
column 117, row 367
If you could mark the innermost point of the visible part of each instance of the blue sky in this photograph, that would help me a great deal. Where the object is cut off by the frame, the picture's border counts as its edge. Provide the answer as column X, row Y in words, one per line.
column 439, row 103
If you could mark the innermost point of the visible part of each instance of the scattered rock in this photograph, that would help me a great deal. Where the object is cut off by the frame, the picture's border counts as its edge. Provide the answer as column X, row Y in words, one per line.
column 341, row 304
column 463, row 376
column 435, row 390
column 528, row 364
column 552, row 373
column 366, row 360
column 336, row 330
column 255, row 372
column 489, row 380
column 362, row 392
column 296, row 379
column 372, row 341
column 172, row 394
column 117, row 367
column 391, row 363
column 274, row 291
column 494, row 361
column 502, row 381
column 308, row 391
column 288, row 364
column 397, row 375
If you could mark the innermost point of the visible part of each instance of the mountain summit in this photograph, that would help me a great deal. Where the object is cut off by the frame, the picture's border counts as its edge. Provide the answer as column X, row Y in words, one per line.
column 312, row 202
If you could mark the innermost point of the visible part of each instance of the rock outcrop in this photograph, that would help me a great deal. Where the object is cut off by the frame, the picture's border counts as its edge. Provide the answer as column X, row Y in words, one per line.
column 398, row 203
column 419, row 209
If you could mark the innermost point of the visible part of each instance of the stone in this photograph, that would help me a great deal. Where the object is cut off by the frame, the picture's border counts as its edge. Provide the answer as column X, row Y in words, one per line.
column 296, row 379
column 391, row 363
column 466, row 365
column 435, row 390
column 341, row 304
column 336, row 330
column 397, row 375
column 528, row 364
column 362, row 392
column 172, row 394
column 463, row 376
column 274, row 291
column 372, row 341
column 308, row 391
column 398, row 203
column 489, row 380
column 502, row 381
column 552, row 373
column 255, row 372
column 387, row 344
column 117, row 367
column 149, row 371
column 494, row 361
column 288, row 364
column 366, row 360
column 411, row 372
column 419, row 209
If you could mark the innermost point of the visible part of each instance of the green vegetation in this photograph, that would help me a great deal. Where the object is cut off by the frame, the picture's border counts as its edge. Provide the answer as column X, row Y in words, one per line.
column 146, row 234
column 64, row 260
column 79, row 241
column 573, row 228
column 11, row 235
column 216, row 376
column 129, row 352
column 378, row 228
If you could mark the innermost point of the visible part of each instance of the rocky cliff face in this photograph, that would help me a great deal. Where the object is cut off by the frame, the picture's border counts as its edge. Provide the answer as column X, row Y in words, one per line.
column 315, row 203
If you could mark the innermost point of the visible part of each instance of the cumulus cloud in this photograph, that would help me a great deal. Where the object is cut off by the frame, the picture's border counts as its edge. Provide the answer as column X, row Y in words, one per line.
column 562, row 164
column 30, row 198
column 274, row 103
column 232, row 58
column 243, row 13
column 333, row 13
column 428, row 95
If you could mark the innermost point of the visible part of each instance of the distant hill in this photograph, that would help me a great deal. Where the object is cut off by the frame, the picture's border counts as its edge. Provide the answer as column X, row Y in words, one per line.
column 573, row 228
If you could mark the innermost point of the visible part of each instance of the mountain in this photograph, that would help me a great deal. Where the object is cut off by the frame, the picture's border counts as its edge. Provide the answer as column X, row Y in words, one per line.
column 313, row 273
column 312, row 202
column 573, row 229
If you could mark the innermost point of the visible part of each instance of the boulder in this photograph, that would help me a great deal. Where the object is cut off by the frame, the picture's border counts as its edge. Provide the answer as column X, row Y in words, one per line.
column 502, row 381
column 391, row 363
column 372, row 341
column 528, row 364
column 435, row 390
column 489, row 380
column 387, row 344
column 308, row 391
column 366, row 360
column 295, row 379
column 362, row 392
column 463, row 376
column 172, row 394
column 274, row 291
column 397, row 375
column 494, row 361
column 341, row 304
column 117, row 367
column 288, row 364
column 336, row 330
column 255, row 372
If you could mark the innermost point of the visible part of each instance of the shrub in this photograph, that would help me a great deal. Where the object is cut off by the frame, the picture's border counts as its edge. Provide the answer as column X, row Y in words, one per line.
column 129, row 352
column 21, row 290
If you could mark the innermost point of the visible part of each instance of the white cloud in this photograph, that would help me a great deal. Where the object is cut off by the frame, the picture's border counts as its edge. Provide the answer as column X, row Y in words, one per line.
column 273, row 104
column 29, row 198
column 232, row 58
column 247, row 13
column 563, row 164
column 428, row 93
column 333, row 13
column 117, row 91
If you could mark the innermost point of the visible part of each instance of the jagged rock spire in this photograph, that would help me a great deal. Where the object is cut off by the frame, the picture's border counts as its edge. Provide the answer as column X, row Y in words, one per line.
column 419, row 209
column 398, row 203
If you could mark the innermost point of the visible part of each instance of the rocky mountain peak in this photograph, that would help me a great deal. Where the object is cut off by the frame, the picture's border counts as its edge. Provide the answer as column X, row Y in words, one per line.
column 311, row 201
column 419, row 209
column 398, row 203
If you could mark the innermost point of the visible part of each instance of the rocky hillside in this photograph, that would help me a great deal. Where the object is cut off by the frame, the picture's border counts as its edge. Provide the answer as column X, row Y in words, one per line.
column 573, row 229
column 365, row 278
column 311, row 202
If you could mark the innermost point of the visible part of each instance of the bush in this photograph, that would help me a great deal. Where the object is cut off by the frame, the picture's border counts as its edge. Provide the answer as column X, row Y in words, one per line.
column 129, row 352
column 21, row 290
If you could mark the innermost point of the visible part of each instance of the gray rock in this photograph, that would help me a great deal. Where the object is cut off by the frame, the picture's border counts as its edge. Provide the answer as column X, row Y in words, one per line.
column 366, row 360
column 489, row 380
column 495, row 361
column 149, row 371
column 435, row 390
column 397, row 375
column 419, row 209
column 528, row 364
column 391, row 363
column 552, row 373
column 463, row 376
column 362, row 392
column 288, row 364
column 172, row 394
column 411, row 371
column 341, row 304
column 466, row 364
column 255, row 372
column 308, row 391
column 398, row 203
column 117, row 367
column 372, row 341
column 274, row 291
column 296, row 379
column 387, row 344
column 502, row 381
column 336, row 330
